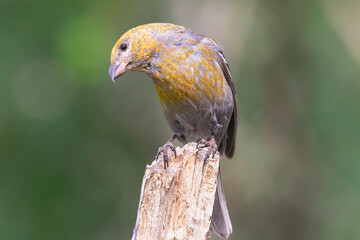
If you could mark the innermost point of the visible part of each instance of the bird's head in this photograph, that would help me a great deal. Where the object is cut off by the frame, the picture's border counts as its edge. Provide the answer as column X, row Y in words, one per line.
column 133, row 51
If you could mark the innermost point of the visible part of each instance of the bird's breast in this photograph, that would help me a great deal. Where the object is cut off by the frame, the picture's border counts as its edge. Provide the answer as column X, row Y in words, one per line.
column 188, row 78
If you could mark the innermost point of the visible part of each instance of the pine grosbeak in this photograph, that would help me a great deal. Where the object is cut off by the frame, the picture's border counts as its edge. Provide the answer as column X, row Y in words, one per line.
column 195, row 89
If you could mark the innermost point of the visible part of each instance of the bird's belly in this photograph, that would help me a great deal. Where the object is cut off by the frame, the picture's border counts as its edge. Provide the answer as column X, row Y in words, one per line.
column 198, row 117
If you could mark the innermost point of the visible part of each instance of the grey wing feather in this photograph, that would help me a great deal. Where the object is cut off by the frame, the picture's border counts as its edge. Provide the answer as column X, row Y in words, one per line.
column 231, row 131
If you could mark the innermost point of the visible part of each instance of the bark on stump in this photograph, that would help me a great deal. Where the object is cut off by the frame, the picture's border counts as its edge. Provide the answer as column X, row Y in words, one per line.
column 176, row 203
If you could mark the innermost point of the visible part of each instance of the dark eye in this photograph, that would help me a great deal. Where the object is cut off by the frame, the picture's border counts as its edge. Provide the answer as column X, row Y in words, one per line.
column 123, row 46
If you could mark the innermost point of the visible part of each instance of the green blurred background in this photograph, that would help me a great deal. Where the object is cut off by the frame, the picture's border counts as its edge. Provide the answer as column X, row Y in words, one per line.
column 73, row 145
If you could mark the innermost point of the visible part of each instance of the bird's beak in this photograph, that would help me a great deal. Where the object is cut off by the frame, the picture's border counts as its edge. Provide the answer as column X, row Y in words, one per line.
column 116, row 70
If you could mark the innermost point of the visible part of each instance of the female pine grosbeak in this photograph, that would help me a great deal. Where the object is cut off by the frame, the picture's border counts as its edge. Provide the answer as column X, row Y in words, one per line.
column 195, row 89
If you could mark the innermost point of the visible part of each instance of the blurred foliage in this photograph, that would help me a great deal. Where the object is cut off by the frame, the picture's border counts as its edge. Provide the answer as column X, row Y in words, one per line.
column 73, row 146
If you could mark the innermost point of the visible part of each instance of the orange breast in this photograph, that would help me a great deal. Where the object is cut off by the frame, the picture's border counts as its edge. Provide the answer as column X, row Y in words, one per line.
column 189, row 74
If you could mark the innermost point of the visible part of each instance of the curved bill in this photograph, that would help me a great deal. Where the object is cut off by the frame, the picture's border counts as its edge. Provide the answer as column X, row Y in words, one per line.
column 116, row 70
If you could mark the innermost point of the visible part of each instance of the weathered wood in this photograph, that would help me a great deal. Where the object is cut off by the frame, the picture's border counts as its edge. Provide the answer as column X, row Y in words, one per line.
column 176, row 203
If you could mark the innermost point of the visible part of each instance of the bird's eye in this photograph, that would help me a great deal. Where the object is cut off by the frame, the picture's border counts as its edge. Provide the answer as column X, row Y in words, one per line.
column 123, row 46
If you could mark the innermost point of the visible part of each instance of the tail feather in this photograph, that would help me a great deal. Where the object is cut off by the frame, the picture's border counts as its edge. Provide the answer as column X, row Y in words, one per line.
column 220, row 221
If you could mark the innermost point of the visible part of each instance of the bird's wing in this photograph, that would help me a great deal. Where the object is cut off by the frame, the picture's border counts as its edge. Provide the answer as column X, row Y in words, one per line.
column 220, row 58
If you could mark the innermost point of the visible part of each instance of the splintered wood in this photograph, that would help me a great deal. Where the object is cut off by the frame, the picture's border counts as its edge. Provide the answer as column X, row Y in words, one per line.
column 176, row 203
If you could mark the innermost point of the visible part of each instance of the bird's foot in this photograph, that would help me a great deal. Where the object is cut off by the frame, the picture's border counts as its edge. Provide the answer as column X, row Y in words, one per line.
column 211, row 145
column 163, row 149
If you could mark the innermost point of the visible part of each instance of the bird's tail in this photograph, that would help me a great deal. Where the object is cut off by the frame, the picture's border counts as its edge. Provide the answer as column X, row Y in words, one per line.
column 220, row 221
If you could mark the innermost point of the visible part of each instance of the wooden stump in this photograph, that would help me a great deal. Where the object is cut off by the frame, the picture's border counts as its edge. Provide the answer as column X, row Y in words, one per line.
column 176, row 203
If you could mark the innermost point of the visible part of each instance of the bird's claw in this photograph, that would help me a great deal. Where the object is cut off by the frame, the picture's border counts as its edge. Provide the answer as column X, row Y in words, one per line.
column 163, row 150
column 211, row 145
column 208, row 153
column 202, row 142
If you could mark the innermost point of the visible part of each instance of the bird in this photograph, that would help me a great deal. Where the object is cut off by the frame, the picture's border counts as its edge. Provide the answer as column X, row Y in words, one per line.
column 195, row 90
